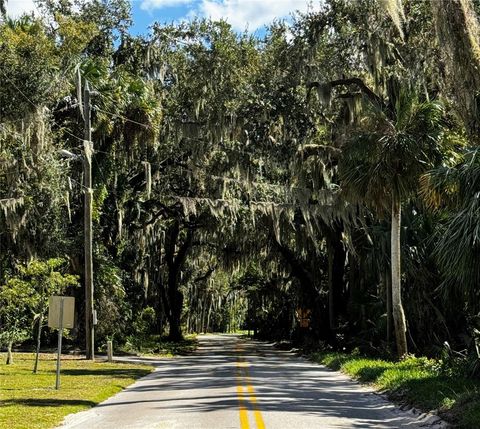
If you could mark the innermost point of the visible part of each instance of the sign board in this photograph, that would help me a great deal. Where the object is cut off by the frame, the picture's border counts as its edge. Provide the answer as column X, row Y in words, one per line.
column 303, row 315
column 54, row 311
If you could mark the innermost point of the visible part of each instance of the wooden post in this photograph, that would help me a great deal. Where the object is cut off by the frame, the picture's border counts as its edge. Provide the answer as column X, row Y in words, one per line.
column 88, row 151
column 39, row 335
column 110, row 351
column 9, row 353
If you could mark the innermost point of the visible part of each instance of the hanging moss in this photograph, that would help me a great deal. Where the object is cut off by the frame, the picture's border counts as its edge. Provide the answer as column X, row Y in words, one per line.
column 458, row 32
column 148, row 179
column 324, row 92
column 395, row 9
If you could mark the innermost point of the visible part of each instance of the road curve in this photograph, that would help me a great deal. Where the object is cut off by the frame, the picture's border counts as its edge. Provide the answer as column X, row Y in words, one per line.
column 234, row 383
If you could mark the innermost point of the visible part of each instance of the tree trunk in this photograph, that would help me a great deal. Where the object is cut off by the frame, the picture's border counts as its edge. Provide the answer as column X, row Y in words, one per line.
column 175, row 263
column 9, row 353
column 338, row 276
column 336, row 269
column 208, row 317
column 397, row 307
column 388, row 292
column 175, row 333
column 39, row 335
column 176, row 303
column 331, row 298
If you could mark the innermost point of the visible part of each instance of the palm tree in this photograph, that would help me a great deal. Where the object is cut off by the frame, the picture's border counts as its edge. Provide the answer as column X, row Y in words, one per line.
column 454, row 189
column 381, row 166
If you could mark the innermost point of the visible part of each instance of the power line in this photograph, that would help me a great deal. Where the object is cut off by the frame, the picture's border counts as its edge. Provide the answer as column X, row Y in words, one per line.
column 117, row 114
column 21, row 136
column 18, row 89
column 35, row 106
column 224, row 179
column 245, row 183
column 155, row 128
column 238, row 151
column 65, row 130
column 78, row 183
column 103, row 94
column 126, row 119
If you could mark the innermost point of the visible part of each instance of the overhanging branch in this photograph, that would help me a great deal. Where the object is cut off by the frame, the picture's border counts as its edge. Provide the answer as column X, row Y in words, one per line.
column 374, row 98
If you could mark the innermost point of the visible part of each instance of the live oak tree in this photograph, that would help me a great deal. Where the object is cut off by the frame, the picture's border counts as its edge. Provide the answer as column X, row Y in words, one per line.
column 227, row 187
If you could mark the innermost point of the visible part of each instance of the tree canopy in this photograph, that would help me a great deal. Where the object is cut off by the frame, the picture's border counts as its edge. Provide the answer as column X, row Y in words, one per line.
column 310, row 184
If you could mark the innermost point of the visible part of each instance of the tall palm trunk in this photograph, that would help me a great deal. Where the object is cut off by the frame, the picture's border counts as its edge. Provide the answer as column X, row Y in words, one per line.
column 388, row 292
column 397, row 307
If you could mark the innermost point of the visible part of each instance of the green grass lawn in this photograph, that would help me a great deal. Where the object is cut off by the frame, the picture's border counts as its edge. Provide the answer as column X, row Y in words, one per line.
column 416, row 382
column 30, row 401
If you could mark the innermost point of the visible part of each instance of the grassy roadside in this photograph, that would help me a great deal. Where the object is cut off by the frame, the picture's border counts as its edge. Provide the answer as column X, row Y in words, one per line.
column 157, row 346
column 29, row 401
column 415, row 381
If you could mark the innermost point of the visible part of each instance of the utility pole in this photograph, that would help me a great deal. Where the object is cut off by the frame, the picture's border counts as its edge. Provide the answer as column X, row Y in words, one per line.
column 88, row 226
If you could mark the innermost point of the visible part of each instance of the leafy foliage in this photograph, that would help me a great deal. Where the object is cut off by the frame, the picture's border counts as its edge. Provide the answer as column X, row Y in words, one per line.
column 238, row 180
column 24, row 297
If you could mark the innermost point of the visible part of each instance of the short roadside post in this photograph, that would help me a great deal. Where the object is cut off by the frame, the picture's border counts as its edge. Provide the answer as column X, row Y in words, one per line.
column 110, row 351
column 61, row 311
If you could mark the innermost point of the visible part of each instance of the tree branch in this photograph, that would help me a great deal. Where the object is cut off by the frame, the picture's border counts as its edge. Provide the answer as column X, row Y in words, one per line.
column 374, row 98
column 205, row 276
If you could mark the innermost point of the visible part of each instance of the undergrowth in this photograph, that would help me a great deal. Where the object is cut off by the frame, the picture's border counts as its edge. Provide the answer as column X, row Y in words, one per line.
column 418, row 381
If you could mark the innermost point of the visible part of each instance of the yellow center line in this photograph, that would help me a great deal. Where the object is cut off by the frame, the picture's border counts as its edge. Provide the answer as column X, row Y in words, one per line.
column 242, row 369
column 242, row 408
column 241, row 396
column 253, row 399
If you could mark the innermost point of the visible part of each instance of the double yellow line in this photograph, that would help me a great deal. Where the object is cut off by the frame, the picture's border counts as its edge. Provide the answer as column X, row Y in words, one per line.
column 245, row 393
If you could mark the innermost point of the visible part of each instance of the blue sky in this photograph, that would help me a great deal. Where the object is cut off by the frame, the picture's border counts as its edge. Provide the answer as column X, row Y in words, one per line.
column 242, row 14
column 144, row 14
column 253, row 15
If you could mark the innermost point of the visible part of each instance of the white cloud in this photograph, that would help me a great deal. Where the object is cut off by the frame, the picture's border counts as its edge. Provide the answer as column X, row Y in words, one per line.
column 251, row 13
column 15, row 8
column 241, row 14
column 159, row 4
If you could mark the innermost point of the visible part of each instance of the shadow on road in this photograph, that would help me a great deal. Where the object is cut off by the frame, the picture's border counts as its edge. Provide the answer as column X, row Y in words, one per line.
column 283, row 384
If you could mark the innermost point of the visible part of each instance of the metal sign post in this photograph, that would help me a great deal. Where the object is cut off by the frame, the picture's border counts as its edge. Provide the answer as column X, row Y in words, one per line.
column 61, row 310
column 60, row 335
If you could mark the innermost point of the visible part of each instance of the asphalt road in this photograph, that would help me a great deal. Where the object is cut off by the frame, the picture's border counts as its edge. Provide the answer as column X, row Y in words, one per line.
column 234, row 383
